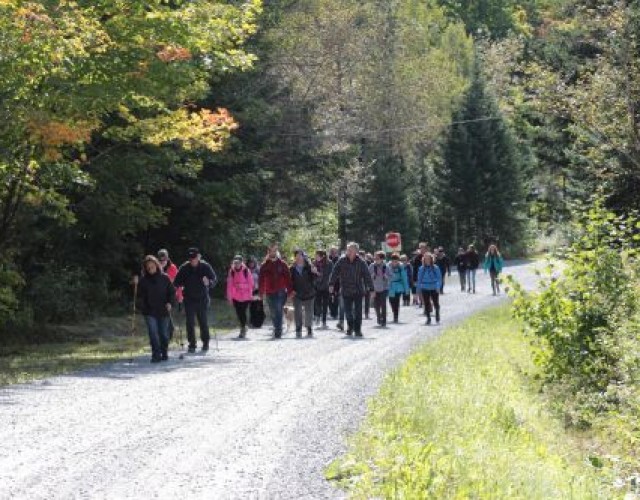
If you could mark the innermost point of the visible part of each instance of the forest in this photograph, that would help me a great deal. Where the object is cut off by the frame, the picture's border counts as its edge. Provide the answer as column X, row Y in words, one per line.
column 132, row 126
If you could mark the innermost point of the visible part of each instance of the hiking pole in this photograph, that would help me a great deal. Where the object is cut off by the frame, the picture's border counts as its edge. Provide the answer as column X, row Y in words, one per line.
column 178, row 329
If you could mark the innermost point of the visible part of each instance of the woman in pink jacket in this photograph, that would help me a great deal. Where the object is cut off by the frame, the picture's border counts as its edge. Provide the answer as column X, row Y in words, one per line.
column 240, row 291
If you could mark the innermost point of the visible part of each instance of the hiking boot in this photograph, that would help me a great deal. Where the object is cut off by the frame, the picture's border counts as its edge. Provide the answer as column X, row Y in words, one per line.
column 243, row 332
column 164, row 356
column 428, row 321
column 205, row 347
column 155, row 360
column 324, row 325
column 309, row 332
column 298, row 334
column 349, row 332
column 191, row 349
column 340, row 326
column 359, row 334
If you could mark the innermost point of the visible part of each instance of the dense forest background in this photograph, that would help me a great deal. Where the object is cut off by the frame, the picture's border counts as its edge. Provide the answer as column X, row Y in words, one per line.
column 130, row 126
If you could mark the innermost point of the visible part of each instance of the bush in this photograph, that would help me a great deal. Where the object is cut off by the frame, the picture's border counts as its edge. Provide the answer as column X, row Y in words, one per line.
column 584, row 320
column 67, row 294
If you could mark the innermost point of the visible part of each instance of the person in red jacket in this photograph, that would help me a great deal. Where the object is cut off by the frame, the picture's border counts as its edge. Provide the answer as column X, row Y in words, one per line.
column 240, row 291
column 170, row 269
column 275, row 283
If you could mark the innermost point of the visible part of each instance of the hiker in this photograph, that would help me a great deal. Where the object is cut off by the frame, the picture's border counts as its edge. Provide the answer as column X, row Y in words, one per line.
column 398, row 285
column 429, row 283
column 368, row 260
column 408, row 270
column 443, row 262
column 461, row 264
column 303, row 290
column 256, row 307
column 156, row 295
column 240, row 291
column 334, row 302
column 493, row 263
column 171, row 270
column 196, row 277
column 323, row 297
column 275, row 283
column 380, row 275
column 355, row 282
column 472, row 260
column 417, row 264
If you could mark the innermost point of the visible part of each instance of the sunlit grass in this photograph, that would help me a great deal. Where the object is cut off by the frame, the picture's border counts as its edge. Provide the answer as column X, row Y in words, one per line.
column 102, row 340
column 460, row 420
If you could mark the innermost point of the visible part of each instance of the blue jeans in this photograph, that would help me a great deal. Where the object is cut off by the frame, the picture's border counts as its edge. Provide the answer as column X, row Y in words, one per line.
column 158, row 329
column 353, row 313
column 276, row 304
column 471, row 279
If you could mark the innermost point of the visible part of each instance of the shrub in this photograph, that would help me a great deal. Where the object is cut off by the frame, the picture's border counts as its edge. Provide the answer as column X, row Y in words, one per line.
column 583, row 320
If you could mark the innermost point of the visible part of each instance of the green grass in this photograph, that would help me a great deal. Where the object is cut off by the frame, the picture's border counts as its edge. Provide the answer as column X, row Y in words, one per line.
column 460, row 420
column 65, row 349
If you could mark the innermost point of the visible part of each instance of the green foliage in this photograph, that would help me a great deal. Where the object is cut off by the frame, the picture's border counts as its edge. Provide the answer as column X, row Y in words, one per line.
column 459, row 420
column 481, row 183
column 10, row 285
column 584, row 319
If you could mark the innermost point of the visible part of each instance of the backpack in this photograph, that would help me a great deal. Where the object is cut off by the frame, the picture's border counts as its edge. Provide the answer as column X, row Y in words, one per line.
column 384, row 269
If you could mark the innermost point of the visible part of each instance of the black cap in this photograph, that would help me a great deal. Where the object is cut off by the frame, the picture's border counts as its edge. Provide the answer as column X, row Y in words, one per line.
column 193, row 252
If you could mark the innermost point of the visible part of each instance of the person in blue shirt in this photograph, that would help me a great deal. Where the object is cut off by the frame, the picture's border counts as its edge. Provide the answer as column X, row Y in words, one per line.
column 398, row 284
column 493, row 263
column 429, row 283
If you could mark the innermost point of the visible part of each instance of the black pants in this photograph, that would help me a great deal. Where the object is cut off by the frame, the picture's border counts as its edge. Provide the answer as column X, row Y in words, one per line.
column 442, row 284
column 367, row 304
column 429, row 297
column 406, row 299
column 395, row 307
column 334, row 305
column 353, row 313
column 380, row 305
column 241, row 312
column 321, row 306
column 197, row 309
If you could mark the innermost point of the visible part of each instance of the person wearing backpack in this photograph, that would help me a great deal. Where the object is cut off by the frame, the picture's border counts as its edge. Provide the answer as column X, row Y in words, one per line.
column 408, row 269
column 171, row 270
column 472, row 260
column 240, row 291
column 493, row 263
column 429, row 283
column 303, row 290
column 461, row 264
column 334, row 302
column 379, row 271
column 196, row 277
column 398, row 285
column 156, row 296
column 324, row 267
column 275, row 283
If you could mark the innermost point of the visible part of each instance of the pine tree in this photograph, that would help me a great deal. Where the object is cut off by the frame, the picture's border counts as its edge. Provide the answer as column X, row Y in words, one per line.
column 481, row 184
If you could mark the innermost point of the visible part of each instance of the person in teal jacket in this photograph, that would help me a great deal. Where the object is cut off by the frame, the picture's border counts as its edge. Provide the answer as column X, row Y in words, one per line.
column 428, row 284
column 398, row 284
column 493, row 263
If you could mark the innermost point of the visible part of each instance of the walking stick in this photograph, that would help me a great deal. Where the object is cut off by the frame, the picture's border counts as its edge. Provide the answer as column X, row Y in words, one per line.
column 179, row 339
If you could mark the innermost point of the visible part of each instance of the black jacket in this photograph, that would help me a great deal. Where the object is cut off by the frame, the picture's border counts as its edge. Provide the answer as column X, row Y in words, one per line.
column 156, row 291
column 354, row 277
column 461, row 262
column 472, row 259
column 303, row 283
column 190, row 278
column 322, row 280
column 444, row 264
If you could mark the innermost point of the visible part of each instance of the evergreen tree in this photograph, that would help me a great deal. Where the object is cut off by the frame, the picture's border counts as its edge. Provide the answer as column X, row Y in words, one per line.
column 481, row 184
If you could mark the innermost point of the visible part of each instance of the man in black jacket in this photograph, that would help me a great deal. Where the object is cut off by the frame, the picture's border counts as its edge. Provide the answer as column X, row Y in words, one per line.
column 355, row 282
column 196, row 277
column 443, row 262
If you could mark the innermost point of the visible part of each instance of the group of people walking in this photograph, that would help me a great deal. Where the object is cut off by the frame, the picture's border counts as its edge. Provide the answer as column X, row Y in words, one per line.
column 331, row 285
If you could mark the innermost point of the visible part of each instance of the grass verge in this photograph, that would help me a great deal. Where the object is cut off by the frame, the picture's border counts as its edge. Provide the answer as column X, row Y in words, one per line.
column 65, row 349
column 460, row 420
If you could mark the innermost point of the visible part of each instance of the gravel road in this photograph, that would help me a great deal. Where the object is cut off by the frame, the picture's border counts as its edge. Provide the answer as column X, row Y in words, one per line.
column 260, row 419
